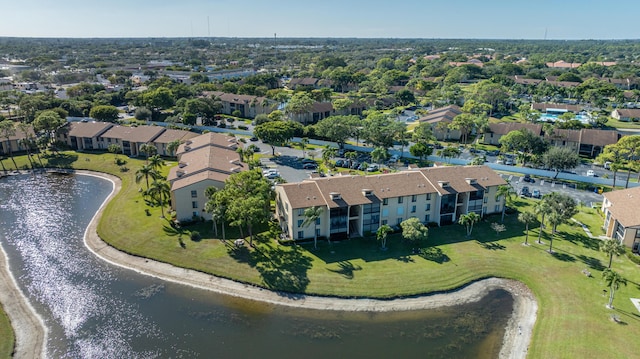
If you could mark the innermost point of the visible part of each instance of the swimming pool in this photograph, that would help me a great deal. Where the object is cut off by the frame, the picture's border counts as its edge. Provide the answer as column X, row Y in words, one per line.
column 547, row 117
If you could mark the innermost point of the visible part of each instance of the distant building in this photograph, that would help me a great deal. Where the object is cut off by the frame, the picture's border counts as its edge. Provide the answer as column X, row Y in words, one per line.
column 439, row 120
column 497, row 130
column 249, row 106
column 626, row 114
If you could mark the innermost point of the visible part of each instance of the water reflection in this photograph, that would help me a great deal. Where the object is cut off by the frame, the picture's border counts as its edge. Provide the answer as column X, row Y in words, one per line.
column 95, row 310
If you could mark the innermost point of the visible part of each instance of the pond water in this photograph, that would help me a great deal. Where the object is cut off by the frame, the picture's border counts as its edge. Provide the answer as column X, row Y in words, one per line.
column 96, row 310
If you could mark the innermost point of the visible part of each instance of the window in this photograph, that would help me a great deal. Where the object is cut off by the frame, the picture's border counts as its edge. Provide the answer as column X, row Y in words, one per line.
column 300, row 221
column 484, row 210
column 398, row 220
column 317, row 221
column 194, row 194
column 301, row 212
column 385, row 212
column 427, row 218
column 428, row 196
column 317, row 232
column 385, row 201
column 428, row 207
column 400, row 211
column 384, row 221
column 399, row 200
column 486, row 199
column 194, row 204
column 414, row 198
column 300, row 234
column 413, row 209
column 195, row 214
column 497, row 208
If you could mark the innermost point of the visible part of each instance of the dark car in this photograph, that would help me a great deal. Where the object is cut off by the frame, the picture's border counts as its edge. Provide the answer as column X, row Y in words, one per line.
column 493, row 153
column 340, row 163
column 527, row 178
column 525, row 192
column 308, row 160
column 309, row 166
column 253, row 139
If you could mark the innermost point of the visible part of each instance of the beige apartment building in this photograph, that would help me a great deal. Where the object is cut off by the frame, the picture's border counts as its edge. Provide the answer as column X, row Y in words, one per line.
column 355, row 206
column 621, row 216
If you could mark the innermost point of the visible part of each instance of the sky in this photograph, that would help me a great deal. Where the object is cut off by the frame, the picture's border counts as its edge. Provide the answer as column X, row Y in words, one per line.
column 449, row 19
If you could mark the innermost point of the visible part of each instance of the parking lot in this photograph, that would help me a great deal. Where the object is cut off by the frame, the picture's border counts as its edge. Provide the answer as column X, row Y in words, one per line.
column 547, row 185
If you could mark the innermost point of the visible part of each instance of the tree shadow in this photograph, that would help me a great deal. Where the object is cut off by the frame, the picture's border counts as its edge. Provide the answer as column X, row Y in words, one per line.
column 434, row 254
column 346, row 269
column 493, row 246
column 283, row 270
column 405, row 259
column 593, row 263
column 175, row 232
column 563, row 256
column 583, row 239
column 63, row 160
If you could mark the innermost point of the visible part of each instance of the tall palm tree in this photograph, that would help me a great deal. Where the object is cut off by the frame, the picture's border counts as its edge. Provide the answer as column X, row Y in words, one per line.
column 542, row 208
column 303, row 143
column 612, row 247
column 216, row 206
column 173, row 146
column 156, row 162
column 526, row 218
column 145, row 172
column 148, row 149
column 468, row 220
column 507, row 192
column 555, row 219
column 613, row 281
column 328, row 152
column 312, row 215
column 160, row 191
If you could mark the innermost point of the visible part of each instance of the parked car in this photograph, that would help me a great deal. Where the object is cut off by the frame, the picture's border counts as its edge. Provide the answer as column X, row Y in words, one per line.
column 591, row 173
column 308, row 160
column 536, row 193
column 253, row 139
column 525, row 192
column 372, row 168
column 493, row 153
column 310, row 166
column 340, row 163
column 527, row 178
column 509, row 162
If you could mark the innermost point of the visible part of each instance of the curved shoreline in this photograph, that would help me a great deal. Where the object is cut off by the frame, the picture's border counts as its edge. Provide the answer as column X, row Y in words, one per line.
column 518, row 332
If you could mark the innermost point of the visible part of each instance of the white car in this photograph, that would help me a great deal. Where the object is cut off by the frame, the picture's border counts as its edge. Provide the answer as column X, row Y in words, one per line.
column 591, row 173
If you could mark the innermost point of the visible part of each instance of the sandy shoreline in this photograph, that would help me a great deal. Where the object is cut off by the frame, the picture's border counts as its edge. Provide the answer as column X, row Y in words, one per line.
column 515, row 343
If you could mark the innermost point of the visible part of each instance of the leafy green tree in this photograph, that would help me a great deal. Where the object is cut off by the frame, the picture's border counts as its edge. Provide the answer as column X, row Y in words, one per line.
column 465, row 123
column 560, row 159
column 379, row 155
column 413, row 230
column 158, row 99
column 378, row 129
column 449, row 152
column 468, row 220
column 381, row 235
column 420, row 150
column 105, row 113
column 423, row 133
column 611, row 247
column 142, row 114
column 630, row 148
column 405, row 97
column 312, row 215
column 527, row 218
column 328, row 153
column 562, row 207
column 276, row 133
column 172, row 147
column 299, row 104
column 342, row 105
column 48, row 122
column 613, row 280
column 338, row 128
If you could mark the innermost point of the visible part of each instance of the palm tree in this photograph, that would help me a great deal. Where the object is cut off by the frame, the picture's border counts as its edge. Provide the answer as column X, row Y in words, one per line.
column 216, row 206
column 612, row 247
column 312, row 215
column 156, row 162
column 613, row 280
column 328, row 152
column 382, row 233
column 542, row 208
column 148, row 149
column 114, row 148
column 468, row 220
column 173, row 146
column 504, row 191
column 555, row 219
column 526, row 218
column 145, row 172
column 303, row 143
column 160, row 192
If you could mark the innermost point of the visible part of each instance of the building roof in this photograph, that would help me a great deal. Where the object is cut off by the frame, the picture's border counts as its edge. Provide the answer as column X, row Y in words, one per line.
column 170, row 135
column 447, row 113
column 340, row 191
column 235, row 98
column 563, row 64
column 628, row 112
column 598, row 137
column 624, row 206
column 523, row 81
column 139, row 134
column 564, row 134
column 321, row 107
column 88, row 129
column 503, row 128
column 555, row 106
column 198, row 177
column 563, row 83
column 303, row 81
column 208, row 139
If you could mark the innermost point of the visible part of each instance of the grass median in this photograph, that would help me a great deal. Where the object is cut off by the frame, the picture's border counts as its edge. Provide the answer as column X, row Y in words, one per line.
column 572, row 319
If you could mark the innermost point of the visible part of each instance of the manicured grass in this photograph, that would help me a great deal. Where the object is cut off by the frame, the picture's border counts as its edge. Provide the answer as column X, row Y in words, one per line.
column 612, row 122
column 572, row 319
column 7, row 338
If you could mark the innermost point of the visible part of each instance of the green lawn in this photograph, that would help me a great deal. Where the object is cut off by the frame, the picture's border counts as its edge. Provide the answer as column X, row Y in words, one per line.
column 612, row 122
column 572, row 319
column 7, row 337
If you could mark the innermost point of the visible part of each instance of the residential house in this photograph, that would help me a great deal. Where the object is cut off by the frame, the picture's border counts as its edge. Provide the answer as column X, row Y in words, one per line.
column 249, row 106
column 621, row 216
column 563, row 65
column 168, row 136
column 317, row 112
column 84, row 135
column 586, row 142
column 626, row 114
column 303, row 82
column 129, row 138
column 359, row 205
column 439, row 120
column 497, row 130
column 527, row 82
column 203, row 161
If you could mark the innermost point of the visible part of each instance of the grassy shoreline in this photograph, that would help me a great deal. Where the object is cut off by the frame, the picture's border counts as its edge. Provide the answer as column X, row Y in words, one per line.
column 572, row 319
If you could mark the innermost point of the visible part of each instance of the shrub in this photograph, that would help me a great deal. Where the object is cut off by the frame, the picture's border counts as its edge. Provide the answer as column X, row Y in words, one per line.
column 195, row 236
column 633, row 257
